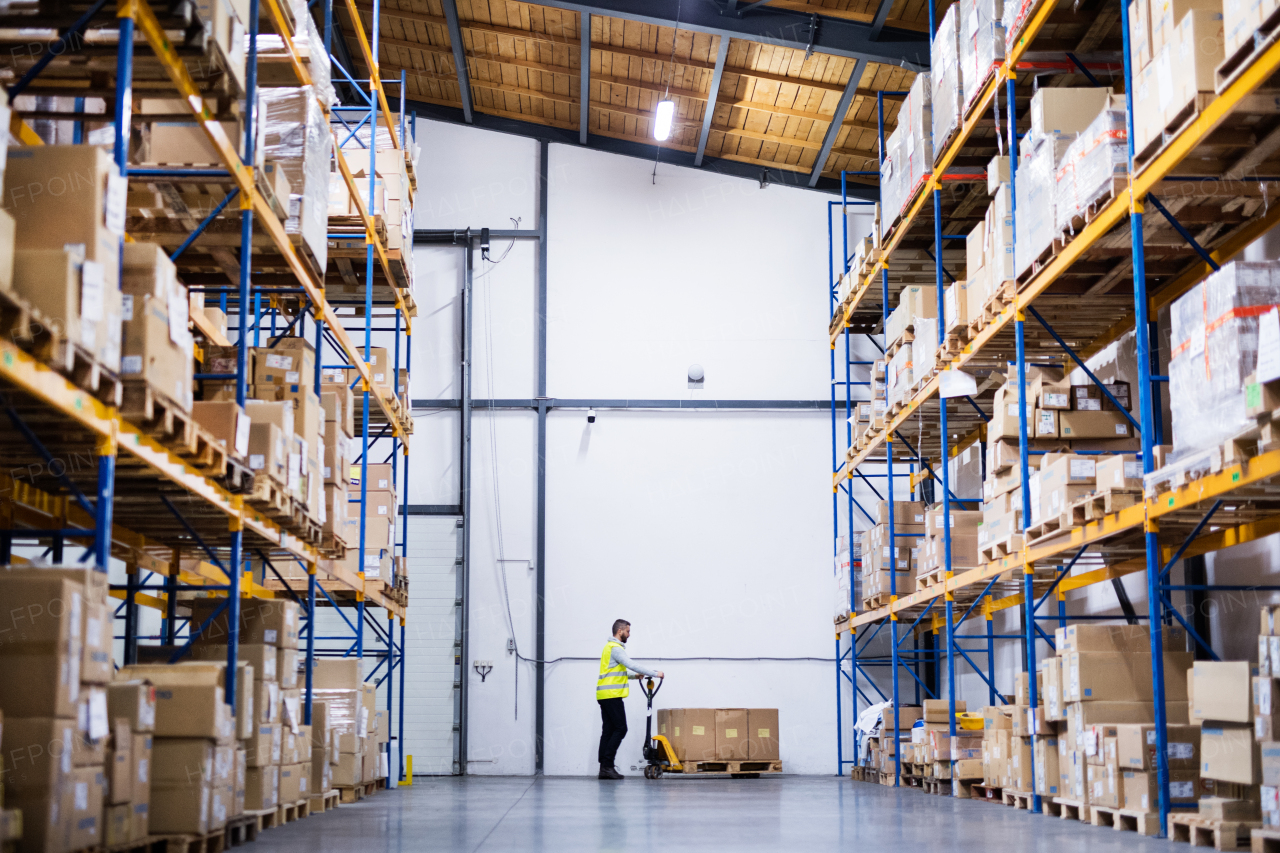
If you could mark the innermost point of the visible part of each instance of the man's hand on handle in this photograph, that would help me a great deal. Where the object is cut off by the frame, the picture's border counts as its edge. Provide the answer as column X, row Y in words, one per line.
column 661, row 674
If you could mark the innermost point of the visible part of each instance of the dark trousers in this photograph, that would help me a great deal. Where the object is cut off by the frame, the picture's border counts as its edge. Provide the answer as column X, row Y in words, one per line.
column 614, row 716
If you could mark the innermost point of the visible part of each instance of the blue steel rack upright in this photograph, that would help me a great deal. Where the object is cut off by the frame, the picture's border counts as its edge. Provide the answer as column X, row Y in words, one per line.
column 213, row 521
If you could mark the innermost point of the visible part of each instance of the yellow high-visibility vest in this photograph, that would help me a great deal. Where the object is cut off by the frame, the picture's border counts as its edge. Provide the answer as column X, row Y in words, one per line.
column 612, row 683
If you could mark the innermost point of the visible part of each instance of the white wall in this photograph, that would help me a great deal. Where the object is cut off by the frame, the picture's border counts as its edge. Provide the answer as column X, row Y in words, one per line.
column 710, row 531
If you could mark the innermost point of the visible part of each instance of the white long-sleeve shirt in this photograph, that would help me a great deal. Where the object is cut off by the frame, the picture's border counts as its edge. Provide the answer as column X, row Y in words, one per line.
column 618, row 657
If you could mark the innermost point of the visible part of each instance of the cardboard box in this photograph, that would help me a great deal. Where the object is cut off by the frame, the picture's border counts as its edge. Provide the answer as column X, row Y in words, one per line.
column 89, row 785
column 762, row 734
column 908, row 513
column 1136, row 747
column 694, row 733
column 939, row 710
column 1221, row 692
column 135, row 701
column 287, row 667
column 293, row 782
column 119, row 766
column 285, row 361
column 1122, row 472
column 337, row 460
column 337, row 674
column 265, row 747
column 1121, row 676
column 266, row 622
column 261, row 788
column 150, row 351
column 141, row 815
column 381, row 479
column 1066, row 111
column 1076, row 426
column 71, row 293
column 67, row 194
column 1114, row 638
column 1047, row 772
column 1141, row 791
column 228, row 423
column 268, row 451
column 1228, row 753
column 338, row 408
column 189, row 703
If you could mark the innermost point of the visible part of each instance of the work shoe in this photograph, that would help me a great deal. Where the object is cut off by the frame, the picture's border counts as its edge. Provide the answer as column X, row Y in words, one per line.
column 609, row 773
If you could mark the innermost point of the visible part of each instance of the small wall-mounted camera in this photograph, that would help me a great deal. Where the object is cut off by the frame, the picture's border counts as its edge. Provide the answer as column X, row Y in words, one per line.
column 591, row 416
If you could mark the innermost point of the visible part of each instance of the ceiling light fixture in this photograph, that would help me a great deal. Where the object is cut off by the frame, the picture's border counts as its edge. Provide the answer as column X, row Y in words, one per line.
column 662, row 120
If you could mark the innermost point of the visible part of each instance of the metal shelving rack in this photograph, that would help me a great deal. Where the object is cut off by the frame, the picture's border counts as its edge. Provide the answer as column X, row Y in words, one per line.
column 142, row 504
column 1149, row 537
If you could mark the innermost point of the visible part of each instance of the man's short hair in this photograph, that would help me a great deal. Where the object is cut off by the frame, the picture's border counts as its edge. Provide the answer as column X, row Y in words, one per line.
column 619, row 624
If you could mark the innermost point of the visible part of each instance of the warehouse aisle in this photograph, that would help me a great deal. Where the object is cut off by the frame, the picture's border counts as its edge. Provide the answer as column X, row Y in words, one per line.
column 800, row 813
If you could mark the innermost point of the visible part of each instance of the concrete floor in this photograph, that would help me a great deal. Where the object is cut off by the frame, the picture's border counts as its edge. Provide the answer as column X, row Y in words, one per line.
column 791, row 813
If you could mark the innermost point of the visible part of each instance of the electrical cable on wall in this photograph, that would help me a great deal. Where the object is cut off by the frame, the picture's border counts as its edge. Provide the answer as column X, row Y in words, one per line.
column 493, row 453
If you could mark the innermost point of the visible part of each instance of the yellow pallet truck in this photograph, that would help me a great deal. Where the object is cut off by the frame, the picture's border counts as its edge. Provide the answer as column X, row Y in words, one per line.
column 657, row 749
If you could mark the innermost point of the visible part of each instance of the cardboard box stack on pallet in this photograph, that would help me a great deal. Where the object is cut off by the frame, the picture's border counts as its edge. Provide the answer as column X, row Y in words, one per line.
column 1098, row 684
column 1174, row 49
column 54, row 680
column 721, row 734
column 880, row 557
column 882, row 747
column 357, row 729
column 934, row 754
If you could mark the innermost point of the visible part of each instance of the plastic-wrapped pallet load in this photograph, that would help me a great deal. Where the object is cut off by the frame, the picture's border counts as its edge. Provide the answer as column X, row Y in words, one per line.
column 275, row 64
column 1035, row 191
column 900, row 374
column 1214, row 346
column 298, row 138
column 981, row 43
column 1014, row 17
column 1091, row 164
column 945, row 75
column 916, row 120
column 891, row 180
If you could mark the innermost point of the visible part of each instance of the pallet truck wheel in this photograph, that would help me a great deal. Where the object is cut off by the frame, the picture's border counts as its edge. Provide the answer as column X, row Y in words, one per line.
column 657, row 771
column 648, row 771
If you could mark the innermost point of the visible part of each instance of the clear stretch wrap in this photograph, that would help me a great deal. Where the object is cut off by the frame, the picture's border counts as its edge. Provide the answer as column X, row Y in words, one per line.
column 1213, row 347
column 1035, row 189
column 916, row 120
column 310, row 48
column 924, row 349
column 342, row 708
column 944, row 72
column 900, row 374
column 297, row 137
column 1014, row 17
column 891, row 181
column 981, row 43
column 1087, row 170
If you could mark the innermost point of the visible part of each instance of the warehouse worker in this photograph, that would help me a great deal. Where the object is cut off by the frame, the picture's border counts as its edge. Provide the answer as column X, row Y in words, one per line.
column 611, row 689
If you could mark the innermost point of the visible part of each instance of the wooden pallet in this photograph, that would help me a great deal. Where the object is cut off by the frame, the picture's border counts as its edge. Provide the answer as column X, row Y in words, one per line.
column 736, row 769
column 1126, row 820
column 1009, row 546
column 325, row 802
column 1265, row 840
column 1236, row 63
column 354, row 793
column 1079, row 221
column 265, row 818
column 139, row 845
column 243, row 829
column 289, row 812
column 1185, row 116
column 1046, row 529
column 940, row 787
column 269, row 497
column 214, row 842
column 1071, row 809
column 1095, row 506
column 237, row 477
column 167, row 422
column 33, row 332
column 990, row 793
column 1018, row 799
column 1190, row 828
